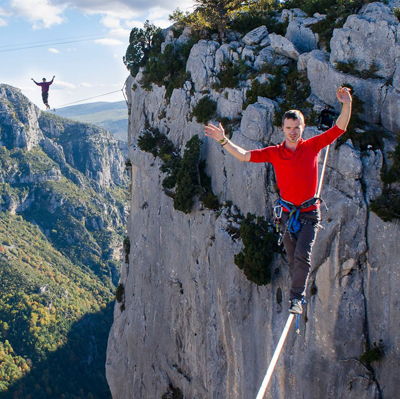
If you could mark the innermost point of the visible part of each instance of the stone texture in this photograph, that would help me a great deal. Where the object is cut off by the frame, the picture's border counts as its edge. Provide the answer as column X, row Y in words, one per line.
column 256, row 36
column 283, row 46
column 369, row 37
column 201, row 63
column 303, row 38
column 323, row 77
column 257, row 120
column 191, row 318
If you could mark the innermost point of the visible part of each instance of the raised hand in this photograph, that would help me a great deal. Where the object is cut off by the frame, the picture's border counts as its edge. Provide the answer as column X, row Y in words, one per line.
column 343, row 95
column 215, row 132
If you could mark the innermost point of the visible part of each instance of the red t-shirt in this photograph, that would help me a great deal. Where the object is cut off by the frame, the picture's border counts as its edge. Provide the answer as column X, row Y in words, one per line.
column 297, row 171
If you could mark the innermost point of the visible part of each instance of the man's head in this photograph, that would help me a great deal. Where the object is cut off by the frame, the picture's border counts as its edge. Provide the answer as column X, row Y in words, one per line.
column 293, row 125
column 44, row 79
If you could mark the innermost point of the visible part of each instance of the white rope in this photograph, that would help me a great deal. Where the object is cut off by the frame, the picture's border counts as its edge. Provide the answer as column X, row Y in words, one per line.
column 275, row 358
column 323, row 172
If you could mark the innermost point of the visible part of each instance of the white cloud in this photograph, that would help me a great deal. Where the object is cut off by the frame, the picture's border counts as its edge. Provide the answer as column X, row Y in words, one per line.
column 120, row 32
column 122, row 7
column 110, row 21
column 162, row 23
column 47, row 13
column 85, row 84
column 64, row 85
column 53, row 50
column 134, row 24
column 109, row 42
column 42, row 13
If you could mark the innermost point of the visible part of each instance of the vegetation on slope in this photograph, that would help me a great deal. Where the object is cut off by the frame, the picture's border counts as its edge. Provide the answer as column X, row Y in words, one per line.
column 46, row 299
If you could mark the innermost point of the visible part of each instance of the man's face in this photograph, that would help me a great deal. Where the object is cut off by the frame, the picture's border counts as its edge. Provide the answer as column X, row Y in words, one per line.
column 44, row 79
column 293, row 130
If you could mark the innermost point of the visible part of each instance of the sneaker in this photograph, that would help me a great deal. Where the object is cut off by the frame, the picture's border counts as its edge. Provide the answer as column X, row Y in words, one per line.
column 295, row 306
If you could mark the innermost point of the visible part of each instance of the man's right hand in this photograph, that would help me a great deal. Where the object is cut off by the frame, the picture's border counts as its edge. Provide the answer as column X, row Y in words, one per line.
column 215, row 132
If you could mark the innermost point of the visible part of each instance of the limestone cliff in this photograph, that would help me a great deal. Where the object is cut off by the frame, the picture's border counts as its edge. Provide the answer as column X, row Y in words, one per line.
column 191, row 322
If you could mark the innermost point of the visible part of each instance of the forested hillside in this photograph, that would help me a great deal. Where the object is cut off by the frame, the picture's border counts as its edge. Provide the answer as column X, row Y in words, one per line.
column 62, row 213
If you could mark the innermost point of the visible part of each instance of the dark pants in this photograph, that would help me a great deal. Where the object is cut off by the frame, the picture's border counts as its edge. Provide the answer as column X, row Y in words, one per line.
column 298, row 248
column 45, row 97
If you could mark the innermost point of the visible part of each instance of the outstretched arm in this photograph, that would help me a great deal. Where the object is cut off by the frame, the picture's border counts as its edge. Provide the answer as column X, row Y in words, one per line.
column 52, row 80
column 344, row 96
column 34, row 81
column 218, row 134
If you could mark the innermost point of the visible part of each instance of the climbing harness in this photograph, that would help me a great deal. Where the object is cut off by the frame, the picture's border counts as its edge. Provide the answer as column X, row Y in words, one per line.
column 278, row 208
column 293, row 223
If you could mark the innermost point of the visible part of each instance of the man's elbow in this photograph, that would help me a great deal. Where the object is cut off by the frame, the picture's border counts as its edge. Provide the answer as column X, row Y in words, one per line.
column 245, row 157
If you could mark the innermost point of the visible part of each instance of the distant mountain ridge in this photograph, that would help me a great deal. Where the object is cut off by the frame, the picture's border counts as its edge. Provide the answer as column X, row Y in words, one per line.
column 111, row 116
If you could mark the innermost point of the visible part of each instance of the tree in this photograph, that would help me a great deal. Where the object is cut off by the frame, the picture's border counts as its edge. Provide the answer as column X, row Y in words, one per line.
column 141, row 44
column 209, row 14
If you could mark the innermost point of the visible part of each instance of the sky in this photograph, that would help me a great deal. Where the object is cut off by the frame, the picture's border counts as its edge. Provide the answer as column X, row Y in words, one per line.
column 81, row 42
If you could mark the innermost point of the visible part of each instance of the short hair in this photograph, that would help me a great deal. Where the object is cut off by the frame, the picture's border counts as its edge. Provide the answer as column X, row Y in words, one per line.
column 293, row 114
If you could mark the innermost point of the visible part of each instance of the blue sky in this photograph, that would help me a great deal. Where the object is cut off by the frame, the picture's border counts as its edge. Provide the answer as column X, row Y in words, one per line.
column 90, row 65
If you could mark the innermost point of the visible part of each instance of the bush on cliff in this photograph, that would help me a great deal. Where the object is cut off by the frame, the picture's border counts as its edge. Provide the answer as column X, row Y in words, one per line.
column 260, row 247
column 143, row 43
column 186, row 175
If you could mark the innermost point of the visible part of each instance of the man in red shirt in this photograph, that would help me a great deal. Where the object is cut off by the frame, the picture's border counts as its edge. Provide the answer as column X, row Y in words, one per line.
column 45, row 90
column 296, row 167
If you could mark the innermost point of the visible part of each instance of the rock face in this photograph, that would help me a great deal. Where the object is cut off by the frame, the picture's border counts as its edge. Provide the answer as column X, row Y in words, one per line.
column 190, row 319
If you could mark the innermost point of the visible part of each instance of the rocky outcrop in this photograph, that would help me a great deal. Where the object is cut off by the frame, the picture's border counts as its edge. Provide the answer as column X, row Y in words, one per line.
column 189, row 318
column 19, row 125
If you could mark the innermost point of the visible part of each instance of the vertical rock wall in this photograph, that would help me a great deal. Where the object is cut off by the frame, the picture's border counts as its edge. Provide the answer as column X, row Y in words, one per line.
column 191, row 320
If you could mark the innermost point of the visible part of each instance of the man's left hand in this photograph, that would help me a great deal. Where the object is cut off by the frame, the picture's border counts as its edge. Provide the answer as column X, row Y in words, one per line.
column 343, row 95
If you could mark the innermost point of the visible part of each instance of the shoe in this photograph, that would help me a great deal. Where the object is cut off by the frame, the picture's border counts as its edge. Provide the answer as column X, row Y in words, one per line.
column 295, row 306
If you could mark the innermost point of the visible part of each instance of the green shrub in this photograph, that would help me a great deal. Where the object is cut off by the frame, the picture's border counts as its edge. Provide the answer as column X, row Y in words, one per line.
column 352, row 67
column 262, row 90
column 172, row 393
column 119, row 293
column 127, row 248
column 205, row 110
column 393, row 174
column 188, row 183
column 209, row 16
column 297, row 91
column 153, row 141
column 260, row 246
column 387, row 205
column 228, row 75
column 168, row 68
column 396, row 12
column 374, row 354
column 265, row 15
column 142, row 44
column 207, row 197
column 185, row 174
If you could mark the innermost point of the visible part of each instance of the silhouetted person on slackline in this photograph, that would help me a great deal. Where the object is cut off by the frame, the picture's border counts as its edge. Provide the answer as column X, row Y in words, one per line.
column 45, row 90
